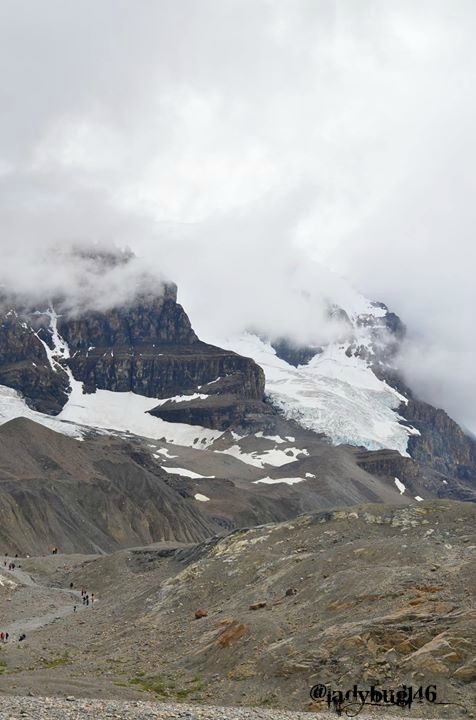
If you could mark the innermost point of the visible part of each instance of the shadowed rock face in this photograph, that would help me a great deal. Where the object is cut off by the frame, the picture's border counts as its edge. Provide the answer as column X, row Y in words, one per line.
column 165, row 370
column 148, row 347
column 24, row 366
column 442, row 443
column 85, row 497
column 217, row 411
column 292, row 353
column 157, row 320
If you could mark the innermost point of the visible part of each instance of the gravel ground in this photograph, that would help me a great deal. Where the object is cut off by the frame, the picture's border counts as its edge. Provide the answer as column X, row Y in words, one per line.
column 12, row 708
column 33, row 708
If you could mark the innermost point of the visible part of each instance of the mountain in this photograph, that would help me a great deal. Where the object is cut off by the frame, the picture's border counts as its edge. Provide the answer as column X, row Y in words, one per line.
column 254, row 515
column 262, row 428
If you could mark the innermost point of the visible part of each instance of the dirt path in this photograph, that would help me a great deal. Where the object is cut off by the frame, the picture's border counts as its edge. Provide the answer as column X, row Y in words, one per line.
column 35, row 623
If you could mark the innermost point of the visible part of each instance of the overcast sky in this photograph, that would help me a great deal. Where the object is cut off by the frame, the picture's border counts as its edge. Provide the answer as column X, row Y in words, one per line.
column 249, row 148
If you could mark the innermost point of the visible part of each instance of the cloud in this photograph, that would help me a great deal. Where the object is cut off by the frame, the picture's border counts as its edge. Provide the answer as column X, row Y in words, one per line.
column 244, row 148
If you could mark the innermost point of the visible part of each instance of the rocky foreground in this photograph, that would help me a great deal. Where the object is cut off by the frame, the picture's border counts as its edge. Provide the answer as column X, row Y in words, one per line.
column 376, row 595
column 12, row 708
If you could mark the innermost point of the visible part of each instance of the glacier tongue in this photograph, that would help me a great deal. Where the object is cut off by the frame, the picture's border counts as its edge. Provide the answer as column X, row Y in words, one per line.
column 334, row 394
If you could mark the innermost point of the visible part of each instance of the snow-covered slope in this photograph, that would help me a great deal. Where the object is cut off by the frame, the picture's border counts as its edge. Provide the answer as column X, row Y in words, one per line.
column 13, row 406
column 334, row 394
column 337, row 392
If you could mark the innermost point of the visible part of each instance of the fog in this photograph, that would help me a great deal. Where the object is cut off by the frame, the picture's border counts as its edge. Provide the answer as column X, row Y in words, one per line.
column 255, row 152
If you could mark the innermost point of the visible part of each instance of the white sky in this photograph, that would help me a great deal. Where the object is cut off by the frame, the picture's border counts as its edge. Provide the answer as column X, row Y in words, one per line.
column 233, row 143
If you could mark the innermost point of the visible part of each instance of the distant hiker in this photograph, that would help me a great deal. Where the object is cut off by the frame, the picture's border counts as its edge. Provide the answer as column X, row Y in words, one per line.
column 2, row 637
column 7, row 635
column 87, row 599
column 55, row 551
column 74, row 608
column 71, row 585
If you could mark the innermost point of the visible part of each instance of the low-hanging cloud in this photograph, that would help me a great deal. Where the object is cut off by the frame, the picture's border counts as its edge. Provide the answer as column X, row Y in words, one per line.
column 244, row 148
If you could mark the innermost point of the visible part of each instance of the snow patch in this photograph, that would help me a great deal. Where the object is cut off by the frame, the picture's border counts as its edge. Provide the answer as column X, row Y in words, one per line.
column 187, row 473
column 274, row 438
column 275, row 457
column 275, row 481
column 181, row 398
column 165, row 453
column 201, row 498
column 400, row 486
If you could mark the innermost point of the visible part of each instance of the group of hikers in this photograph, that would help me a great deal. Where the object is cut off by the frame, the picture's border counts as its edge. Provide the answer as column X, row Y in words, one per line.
column 86, row 597
column 9, row 564
column 5, row 637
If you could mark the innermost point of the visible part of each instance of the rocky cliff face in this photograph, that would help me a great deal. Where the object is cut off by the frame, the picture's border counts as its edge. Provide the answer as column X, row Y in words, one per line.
column 148, row 347
column 24, row 364
column 149, row 320
column 442, row 443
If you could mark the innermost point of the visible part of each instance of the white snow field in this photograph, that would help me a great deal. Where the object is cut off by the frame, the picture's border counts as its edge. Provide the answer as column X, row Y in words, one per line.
column 335, row 394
